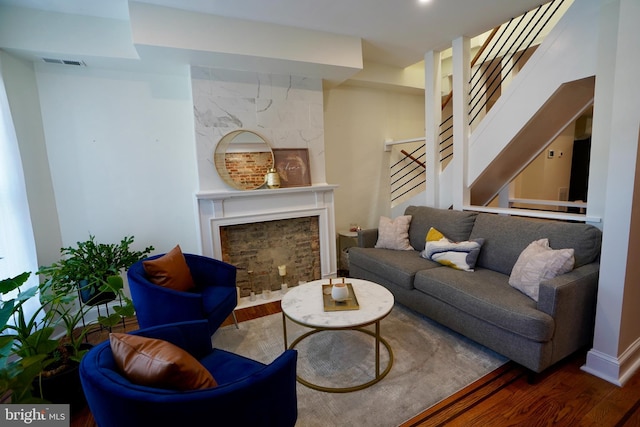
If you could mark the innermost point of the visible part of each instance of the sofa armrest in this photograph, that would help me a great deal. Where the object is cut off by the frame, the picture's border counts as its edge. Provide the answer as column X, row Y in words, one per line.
column 571, row 300
column 367, row 238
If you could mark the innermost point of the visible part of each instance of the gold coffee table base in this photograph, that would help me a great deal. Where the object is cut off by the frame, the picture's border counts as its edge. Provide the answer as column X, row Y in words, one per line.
column 376, row 335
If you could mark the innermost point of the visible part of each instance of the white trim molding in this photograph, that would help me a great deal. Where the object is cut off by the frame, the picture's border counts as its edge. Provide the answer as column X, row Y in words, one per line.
column 217, row 209
column 616, row 370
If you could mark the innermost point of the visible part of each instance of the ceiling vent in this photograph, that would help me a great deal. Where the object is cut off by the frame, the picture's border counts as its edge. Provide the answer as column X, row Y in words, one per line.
column 65, row 62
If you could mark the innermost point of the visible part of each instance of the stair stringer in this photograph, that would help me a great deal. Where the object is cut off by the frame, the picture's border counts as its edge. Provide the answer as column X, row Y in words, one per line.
column 567, row 54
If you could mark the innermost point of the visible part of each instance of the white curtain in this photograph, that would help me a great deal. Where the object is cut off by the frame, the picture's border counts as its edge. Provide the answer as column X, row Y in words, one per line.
column 17, row 245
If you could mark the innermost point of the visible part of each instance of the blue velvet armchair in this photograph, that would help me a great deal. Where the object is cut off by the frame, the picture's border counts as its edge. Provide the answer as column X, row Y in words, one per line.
column 214, row 297
column 249, row 393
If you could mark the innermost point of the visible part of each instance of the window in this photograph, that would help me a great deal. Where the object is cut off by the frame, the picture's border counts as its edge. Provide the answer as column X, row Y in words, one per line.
column 17, row 245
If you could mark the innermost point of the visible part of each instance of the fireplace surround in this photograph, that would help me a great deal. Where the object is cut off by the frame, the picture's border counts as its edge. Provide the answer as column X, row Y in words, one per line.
column 218, row 209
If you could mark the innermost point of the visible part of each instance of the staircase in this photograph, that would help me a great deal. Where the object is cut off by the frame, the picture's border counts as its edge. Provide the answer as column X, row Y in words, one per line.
column 554, row 88
column 562, row 108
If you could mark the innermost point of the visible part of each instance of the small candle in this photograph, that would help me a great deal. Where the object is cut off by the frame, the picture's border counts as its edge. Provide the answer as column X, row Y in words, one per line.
column 282, row 270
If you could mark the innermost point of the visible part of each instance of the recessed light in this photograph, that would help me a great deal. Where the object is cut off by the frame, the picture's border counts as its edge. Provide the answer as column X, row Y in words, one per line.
column 424, row 1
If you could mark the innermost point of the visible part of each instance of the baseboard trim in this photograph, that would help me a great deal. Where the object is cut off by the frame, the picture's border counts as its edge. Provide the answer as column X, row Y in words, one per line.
column 616, row 370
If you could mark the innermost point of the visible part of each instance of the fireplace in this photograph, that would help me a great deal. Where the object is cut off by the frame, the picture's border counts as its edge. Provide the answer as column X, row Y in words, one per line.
column 259, row 249
column 303, row 208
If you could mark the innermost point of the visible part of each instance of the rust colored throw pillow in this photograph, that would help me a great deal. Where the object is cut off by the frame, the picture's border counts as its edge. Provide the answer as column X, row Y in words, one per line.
column 170, row 270
column 158, row 363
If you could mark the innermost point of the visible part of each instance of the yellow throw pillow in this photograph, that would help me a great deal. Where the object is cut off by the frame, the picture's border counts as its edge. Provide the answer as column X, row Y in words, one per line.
column 434, row 235
column 157, row 363
column 170, row 271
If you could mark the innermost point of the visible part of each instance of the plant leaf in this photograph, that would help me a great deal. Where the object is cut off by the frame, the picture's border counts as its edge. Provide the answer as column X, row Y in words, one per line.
column 5, row 313
column 8, row 285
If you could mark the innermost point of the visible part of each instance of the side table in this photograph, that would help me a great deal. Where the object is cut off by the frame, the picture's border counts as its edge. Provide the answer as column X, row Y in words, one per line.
column 346, row 240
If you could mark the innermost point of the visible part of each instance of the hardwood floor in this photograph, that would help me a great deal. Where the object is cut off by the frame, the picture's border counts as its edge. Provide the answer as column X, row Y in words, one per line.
column 563, row 396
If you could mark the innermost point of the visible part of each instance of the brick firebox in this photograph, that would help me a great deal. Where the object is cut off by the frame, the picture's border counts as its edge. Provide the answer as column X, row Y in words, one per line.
column 257, row 249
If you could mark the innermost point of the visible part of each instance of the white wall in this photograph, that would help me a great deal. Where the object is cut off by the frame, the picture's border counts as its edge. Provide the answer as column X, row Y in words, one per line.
column 357, row 122
column 544, row 176
column 121, row 153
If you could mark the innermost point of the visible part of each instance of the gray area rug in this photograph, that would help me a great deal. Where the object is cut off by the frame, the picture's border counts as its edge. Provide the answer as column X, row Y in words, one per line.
column 431, row 362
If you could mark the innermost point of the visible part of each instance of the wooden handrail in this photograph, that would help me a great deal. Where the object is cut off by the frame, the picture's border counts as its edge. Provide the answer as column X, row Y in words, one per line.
column 413, row 158
column 474, row 60
column 484, row 46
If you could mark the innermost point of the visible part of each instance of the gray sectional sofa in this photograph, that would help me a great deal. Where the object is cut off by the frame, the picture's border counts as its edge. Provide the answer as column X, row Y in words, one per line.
column 481, row 304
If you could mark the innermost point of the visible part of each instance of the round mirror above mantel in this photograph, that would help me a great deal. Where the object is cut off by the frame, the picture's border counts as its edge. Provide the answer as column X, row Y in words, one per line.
column 242, row 159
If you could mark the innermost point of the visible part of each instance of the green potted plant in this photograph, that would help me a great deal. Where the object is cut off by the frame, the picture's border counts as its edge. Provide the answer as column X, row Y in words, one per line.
column 18, row 372
column 42, row 347
column 40, row 351
column 89, row 265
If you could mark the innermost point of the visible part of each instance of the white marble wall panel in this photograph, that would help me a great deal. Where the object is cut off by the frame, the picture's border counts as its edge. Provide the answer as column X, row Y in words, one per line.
column 282, row 114
column 286, row 110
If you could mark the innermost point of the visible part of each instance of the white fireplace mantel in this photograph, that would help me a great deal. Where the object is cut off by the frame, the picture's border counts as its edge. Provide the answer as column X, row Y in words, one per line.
column 223, row 208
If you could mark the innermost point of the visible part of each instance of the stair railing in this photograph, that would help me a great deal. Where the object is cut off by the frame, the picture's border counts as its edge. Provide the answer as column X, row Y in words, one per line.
column 506, row 43
column 514, row 39
column 407, row 174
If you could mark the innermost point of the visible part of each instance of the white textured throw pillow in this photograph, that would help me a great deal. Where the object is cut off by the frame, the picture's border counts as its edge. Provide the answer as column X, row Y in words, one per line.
column 539, row 262
column 394, row 233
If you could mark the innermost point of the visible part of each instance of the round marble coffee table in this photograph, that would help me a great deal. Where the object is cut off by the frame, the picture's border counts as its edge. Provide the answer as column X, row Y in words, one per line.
column 304, row 305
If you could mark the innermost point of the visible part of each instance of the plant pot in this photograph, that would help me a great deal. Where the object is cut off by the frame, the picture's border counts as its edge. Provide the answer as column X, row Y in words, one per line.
column 63, row 387
column 90, row 294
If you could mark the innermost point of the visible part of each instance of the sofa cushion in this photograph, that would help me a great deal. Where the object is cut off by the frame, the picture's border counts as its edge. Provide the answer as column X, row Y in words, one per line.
column 456, row 225
column 397, row 267
column 539, row 262
column 486, row 295
column 507, row 236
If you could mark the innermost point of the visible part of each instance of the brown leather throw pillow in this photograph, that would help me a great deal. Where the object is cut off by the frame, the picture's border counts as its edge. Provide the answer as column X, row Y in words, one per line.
column 158, row 363
column 170, row 271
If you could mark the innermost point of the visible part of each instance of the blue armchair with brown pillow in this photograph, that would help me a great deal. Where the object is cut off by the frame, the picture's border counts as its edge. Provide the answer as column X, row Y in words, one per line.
column 176, row 287
column 170, row 375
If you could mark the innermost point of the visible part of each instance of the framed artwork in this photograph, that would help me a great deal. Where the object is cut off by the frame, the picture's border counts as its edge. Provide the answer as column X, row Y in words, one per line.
column 292, row 165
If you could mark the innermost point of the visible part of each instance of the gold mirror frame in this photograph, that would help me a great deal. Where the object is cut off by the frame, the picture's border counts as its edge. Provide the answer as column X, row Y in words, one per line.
column 242, row 159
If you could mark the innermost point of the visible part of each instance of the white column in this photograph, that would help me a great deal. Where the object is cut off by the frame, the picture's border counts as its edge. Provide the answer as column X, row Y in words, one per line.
column 614, row 193
column 506, row 193
column 461, row 74
column 432, row 120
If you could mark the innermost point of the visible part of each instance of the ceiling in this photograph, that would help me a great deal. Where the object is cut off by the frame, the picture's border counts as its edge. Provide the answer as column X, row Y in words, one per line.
column 394, row 32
